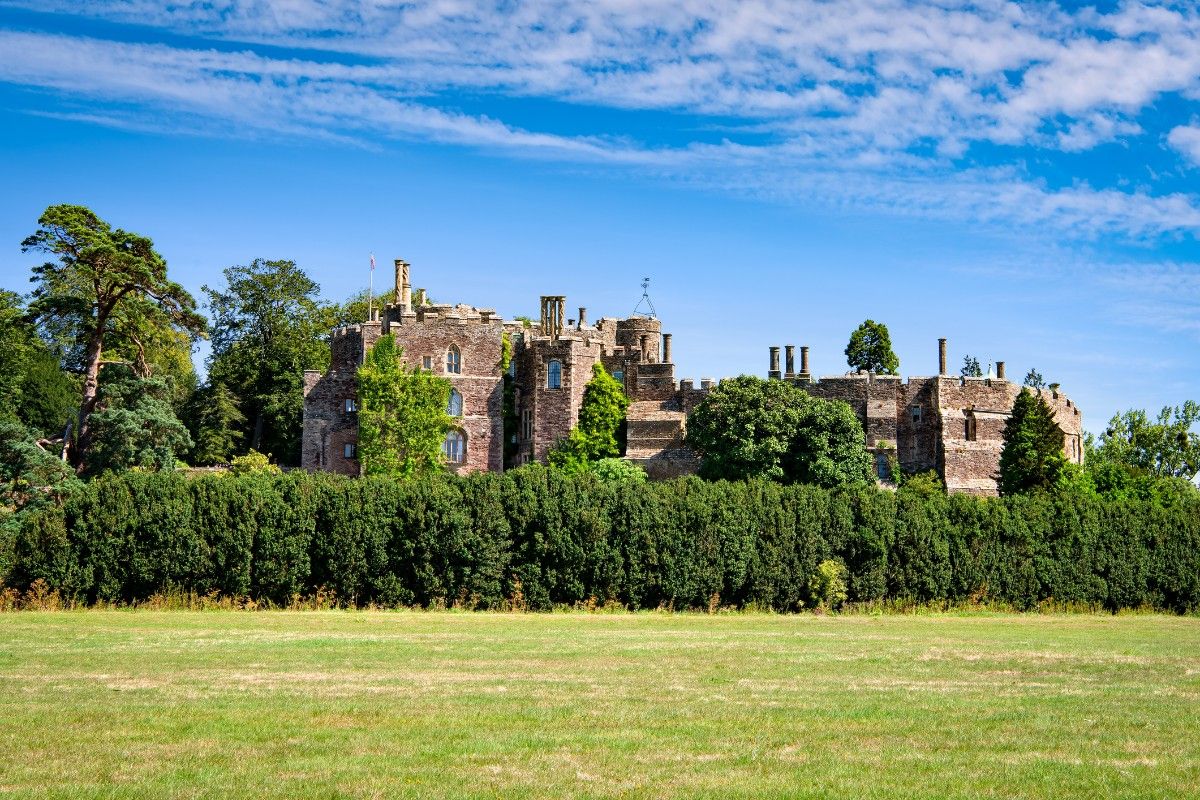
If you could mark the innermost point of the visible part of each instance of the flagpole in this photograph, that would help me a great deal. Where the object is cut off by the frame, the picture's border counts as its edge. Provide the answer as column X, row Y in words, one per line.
column 371, row 292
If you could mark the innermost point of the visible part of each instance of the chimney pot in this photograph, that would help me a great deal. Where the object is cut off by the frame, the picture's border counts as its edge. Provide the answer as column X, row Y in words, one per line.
column 941, row 356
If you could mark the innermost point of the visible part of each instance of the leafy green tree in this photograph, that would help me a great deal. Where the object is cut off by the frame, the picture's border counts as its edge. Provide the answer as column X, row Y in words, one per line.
column 870, row 348
column 748, row 427
column 17, row 344
column 402, row 417
column 1034, row 379
column 33, row 387
column 105, row 286
column 356, row 307
column 216, row 424
column 600, row 417
column 971, row 368
column 135, row 425
column 29, row 474
column 1032, row 457
column 267, row 328
column 1166, row 446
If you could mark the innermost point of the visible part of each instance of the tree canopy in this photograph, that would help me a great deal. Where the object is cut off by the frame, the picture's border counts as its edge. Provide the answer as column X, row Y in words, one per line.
column 870, row 348
column 1165, row 446
column 1032, row 457
column 601, row 415
column 971, row 368
column 106, row 287
column 748, row 427
column 135, row 424
column 267, row 328
column 402, row 414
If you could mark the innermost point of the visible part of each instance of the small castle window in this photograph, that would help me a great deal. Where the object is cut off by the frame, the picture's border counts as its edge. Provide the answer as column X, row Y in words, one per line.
column 455, row 447
column 881, row 465
column 915, row 411
column 350, row 405
column 527, row 424
column 453, row 360
column 455, row 407
column 970, row 432
column 554, row 375
column 620, row 376
column 427, row 363
column 350, row 450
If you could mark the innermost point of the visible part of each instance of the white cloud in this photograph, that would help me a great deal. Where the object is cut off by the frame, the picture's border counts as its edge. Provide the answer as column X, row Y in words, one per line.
column 869, row 103
column 1186, row 139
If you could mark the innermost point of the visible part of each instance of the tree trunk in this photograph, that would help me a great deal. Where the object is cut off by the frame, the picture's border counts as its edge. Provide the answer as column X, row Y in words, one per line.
column 256, row 443
column 91, row 388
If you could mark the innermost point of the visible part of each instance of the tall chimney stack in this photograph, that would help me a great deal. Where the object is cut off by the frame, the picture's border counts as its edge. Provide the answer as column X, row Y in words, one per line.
column 645, row 344
column 774, row 372
column 789, row 361
column 582, row 318
column 804, row 360
column 403, row 289
column 1000, row 371
column 941, row 356
column 666, row 349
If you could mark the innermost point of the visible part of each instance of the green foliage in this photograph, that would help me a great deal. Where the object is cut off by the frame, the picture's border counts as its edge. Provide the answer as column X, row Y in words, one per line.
column 600, row 416
column 135, row 425
column 870, row 348
column 1032, row 457
column 106, row 289
column 267, row 328
column 1168, row 446
column 216, row 424
column 33, row 387
column 538, row 537
column 1034, row 380
column 402, row 419
column 971, row 368
column 828, row 584
column 748, row 427
column 29, row 475
column 506, row 351
column 252, row 463
column 617, row 471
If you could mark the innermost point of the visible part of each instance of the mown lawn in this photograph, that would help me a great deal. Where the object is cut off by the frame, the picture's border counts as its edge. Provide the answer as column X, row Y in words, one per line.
column 349, row 704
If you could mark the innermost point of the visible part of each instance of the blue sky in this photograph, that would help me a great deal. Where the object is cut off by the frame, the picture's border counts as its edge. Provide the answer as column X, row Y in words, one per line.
column 1024, row 180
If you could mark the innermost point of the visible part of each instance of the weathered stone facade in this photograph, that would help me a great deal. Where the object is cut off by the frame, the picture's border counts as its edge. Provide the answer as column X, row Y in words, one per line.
column 945, row 423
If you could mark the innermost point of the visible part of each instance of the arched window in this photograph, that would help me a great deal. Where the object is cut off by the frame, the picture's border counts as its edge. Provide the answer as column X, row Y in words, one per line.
column 453, row 360
column 455, row 407
column 454, row 448
column 554, row 375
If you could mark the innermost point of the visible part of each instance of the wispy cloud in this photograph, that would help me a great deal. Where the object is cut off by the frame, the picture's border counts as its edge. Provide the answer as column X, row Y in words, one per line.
column 868, row 104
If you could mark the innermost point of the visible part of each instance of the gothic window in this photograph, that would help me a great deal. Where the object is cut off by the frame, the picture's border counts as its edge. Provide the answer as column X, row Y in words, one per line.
column 350, row 450
column 554, row 375
column 454, row 448
column 455, row 407
column 453, row 360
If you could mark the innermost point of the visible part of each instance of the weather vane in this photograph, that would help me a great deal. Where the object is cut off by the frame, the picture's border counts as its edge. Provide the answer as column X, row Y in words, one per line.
column 646, row 299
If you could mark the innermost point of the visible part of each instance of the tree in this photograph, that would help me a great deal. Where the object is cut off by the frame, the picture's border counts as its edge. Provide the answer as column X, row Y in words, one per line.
column 29, row 475
column 600, row 417
column 135, row 425
column 1032, row 457
column 870, row 348
column 105, row 285
column 216, row 424
column 747, row 427
column 267, row 328
column 1168, row 446
column 402, row 416
column 357, row 306
column 1034, row 380
column 971, row 368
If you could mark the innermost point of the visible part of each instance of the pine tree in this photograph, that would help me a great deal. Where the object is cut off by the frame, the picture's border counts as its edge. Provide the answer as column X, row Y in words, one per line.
column 600, row 416
column 1033, row 447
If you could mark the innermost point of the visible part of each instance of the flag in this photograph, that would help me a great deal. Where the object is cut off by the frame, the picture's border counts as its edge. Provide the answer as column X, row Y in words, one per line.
column 372, row 262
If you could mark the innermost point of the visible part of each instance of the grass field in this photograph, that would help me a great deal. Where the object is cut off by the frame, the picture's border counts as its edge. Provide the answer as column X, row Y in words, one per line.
column 333, row 704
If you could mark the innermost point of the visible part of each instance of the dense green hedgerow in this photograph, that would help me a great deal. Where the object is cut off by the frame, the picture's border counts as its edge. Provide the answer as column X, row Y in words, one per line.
column 537, row 537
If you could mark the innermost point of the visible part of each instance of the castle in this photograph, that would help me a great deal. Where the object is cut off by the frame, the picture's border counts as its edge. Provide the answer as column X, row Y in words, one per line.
column 945, row 423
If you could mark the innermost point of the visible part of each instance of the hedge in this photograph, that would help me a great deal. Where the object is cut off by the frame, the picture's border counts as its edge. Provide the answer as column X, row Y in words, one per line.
column 543, row 538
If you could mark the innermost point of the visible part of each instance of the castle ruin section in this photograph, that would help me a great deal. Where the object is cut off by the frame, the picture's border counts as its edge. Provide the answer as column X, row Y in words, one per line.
column 950, row 424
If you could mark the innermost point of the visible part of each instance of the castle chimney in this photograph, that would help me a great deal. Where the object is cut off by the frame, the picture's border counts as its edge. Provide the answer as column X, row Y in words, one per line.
column 774, row 373
column 1000, row 371
column 582, row 317
column 666, row 349
column 645, row 344
column 551, row 323
column 941, row 356
column 790, row 360
column 804, row 359
column 403, row 290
